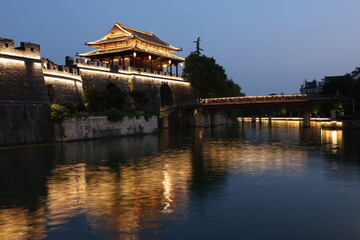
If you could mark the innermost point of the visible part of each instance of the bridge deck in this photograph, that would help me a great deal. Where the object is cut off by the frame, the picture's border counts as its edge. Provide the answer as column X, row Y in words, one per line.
column 294, row 98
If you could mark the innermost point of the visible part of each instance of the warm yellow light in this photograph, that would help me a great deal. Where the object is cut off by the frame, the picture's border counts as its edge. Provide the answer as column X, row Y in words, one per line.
column 134, row 54
column 7, row 60
column 149, row 57
column 164, row 65
column 169, row 62
column 181, row 64
column 57, row 79
column 144, row 75
column 54, row 73
column 332, row 125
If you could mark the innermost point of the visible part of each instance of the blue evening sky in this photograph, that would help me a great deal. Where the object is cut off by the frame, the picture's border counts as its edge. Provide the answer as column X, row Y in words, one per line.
column 266, row 46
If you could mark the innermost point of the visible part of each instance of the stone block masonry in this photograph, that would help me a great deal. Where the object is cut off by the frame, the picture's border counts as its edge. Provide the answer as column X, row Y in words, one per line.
column 73, row 129
column 64, row 83
column 24, row 102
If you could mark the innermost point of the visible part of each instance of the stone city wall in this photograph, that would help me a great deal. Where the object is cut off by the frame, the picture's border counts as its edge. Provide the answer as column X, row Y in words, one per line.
column 83, row 128
column 24, row 102
column 25, row 123
column 98, row 75
column 181, row 92
column 21, row 77
column 63, row 83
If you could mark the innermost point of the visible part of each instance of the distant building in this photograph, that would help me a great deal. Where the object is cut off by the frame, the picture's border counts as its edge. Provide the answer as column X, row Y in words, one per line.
column 356, row 73
column 311, row 88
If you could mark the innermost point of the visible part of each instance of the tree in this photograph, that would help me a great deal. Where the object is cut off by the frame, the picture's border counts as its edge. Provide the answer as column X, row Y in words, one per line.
column 208, row 79
column 337, row 85
column 348, row 90
column 102, row 100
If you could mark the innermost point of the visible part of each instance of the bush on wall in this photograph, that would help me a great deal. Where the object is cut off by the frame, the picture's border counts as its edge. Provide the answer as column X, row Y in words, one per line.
column 58, row 112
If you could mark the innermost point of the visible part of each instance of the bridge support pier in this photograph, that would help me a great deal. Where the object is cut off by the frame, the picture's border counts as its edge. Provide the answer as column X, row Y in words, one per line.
column 306, row 118
column 165, row 122
column 253, row 119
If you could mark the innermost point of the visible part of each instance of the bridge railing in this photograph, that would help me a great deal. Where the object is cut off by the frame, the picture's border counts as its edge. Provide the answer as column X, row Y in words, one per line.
column 256, row 99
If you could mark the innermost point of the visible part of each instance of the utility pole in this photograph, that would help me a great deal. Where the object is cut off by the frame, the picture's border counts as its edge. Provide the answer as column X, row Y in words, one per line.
column 198, row 49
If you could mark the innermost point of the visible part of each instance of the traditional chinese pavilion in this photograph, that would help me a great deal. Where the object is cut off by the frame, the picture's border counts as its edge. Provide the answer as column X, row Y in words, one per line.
column 133, row 49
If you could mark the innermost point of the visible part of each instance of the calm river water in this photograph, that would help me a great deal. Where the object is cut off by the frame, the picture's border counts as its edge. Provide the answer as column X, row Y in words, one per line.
column 248, row 181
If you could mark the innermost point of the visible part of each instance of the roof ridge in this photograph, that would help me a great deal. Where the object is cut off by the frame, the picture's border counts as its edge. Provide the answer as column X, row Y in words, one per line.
column 134, row 29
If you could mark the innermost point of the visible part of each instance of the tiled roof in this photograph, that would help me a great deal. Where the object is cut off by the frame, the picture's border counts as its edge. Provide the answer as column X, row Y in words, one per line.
column 128, row 33
column 134, row 48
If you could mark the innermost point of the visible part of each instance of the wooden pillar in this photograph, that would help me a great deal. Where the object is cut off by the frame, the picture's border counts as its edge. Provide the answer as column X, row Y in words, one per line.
column 123, row 62
column 170, row 68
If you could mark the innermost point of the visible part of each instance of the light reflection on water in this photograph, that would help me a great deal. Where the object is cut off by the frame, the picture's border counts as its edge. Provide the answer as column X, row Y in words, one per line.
column 142, row 187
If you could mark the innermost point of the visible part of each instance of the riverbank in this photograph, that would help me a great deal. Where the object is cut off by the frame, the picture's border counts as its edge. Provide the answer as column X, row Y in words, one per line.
column 83, row 128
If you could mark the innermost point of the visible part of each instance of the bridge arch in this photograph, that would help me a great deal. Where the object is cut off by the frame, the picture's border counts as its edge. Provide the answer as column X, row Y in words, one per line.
column 166, row 95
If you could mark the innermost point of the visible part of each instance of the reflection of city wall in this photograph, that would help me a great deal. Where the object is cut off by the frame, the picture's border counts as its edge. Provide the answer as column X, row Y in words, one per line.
column 138, row 195
column 116, row 149
column 131, row 184
column 23, row 175
column 21, row 224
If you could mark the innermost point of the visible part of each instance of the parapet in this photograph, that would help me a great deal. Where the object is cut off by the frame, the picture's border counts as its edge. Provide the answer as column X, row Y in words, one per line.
column 49, row 66
column 92, row 63
column 26, row 49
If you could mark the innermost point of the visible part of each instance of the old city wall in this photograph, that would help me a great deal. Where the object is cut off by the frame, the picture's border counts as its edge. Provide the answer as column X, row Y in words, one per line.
column 24, row 103
column 63, row 83
column 180, row 92
column 98, row 75
column 27, row 82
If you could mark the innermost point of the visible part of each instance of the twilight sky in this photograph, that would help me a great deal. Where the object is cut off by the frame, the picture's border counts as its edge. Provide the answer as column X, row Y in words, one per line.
column 266, row 46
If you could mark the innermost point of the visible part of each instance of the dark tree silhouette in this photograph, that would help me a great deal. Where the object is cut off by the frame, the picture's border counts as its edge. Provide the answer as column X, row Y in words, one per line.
column 208, row 79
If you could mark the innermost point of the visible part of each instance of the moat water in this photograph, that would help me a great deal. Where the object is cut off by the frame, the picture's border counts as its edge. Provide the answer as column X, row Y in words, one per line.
column 248, row 181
